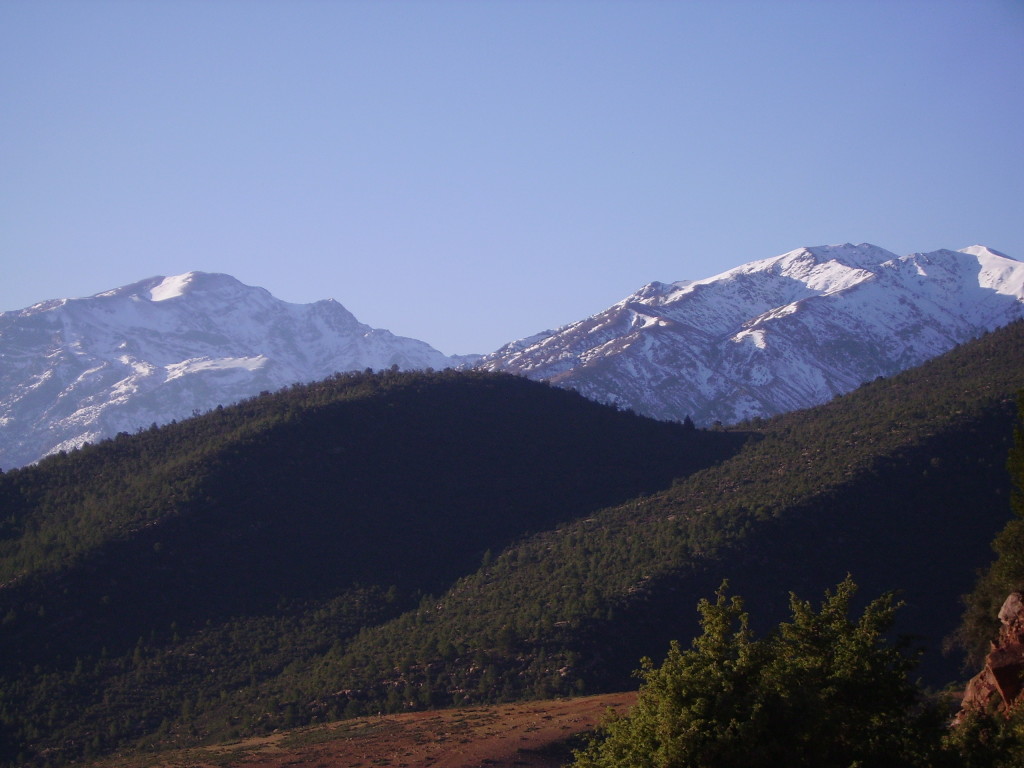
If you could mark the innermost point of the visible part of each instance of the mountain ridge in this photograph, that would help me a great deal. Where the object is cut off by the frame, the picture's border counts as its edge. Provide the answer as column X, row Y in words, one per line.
column 765, row 337
column 162, row 348
column 774, row 334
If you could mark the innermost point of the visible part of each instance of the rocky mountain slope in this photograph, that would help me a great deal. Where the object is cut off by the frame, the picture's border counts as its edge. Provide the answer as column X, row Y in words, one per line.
column 78, row 370
column 764, row 338
column 777, row 334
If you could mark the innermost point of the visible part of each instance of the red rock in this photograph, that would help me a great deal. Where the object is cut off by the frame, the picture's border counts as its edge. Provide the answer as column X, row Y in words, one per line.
column 999, row 683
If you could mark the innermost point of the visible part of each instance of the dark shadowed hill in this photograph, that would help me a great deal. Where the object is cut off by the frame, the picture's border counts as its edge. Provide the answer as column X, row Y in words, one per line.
column 398, row 541
column 328, row 507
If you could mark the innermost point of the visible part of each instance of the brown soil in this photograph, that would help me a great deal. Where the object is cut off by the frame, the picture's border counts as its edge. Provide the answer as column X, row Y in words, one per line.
column 527, row 735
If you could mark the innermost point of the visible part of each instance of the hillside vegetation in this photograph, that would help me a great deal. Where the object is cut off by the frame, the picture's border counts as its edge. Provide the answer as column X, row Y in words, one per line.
column 903, row 484
column 148, row 575
column 385, row 542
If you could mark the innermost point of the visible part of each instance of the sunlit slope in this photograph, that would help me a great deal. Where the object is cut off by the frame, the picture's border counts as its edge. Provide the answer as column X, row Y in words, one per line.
column 776, row 334
column 901, row 483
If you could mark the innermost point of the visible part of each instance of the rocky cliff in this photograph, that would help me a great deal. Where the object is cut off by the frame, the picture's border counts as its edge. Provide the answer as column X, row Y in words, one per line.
column 999, row 684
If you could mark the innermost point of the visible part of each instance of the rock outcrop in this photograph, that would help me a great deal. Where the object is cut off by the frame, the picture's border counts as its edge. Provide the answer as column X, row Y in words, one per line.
column 998, row 686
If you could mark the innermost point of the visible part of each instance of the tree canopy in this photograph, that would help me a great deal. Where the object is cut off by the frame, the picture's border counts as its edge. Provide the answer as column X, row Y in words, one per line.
column 822, row 689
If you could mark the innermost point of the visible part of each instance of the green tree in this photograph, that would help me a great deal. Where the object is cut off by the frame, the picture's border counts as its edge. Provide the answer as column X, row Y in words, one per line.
column 821, row 690
column 989, row 740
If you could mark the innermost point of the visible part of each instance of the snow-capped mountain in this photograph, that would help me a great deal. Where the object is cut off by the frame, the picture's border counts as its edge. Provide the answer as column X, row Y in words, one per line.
column 766, row 337
column 777, row 334
column 78, row 370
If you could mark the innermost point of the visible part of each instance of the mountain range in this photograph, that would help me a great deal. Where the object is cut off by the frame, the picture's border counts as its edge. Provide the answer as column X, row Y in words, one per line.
column 78, row 370
column 774, row 335
column 764, row 338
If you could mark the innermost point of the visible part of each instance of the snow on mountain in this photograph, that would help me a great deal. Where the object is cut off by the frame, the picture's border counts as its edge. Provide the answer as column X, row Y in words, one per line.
column 765, row 337
column 775, row 334
column 78, row 370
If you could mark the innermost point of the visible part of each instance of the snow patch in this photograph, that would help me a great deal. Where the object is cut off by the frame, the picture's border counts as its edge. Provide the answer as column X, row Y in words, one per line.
column 170, row 287
column 982, row 251
column 751, row 337
column 223, row 364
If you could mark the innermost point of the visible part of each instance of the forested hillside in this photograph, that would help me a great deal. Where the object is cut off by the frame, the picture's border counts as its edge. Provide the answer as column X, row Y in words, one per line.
column 391, row 541
column 208, row 556
column 902, row 484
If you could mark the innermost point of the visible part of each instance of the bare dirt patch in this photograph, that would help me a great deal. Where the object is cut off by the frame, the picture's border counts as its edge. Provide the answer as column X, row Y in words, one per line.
column 527, row 735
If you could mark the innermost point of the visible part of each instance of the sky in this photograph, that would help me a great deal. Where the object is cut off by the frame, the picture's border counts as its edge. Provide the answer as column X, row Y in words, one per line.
column 470, row 173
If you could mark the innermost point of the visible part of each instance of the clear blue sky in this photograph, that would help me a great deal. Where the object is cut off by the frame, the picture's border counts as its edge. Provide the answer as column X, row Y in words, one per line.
column 468, row 173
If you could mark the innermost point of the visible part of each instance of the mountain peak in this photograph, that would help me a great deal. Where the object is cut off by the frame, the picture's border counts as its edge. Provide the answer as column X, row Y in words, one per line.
column 776, row 334
column 78, row 370
column 165, row 288
column 861, row 256
column 983, row 251
column 161, row 288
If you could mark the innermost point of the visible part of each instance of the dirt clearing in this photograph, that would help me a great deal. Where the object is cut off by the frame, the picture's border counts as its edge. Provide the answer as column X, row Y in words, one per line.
column 527, row 735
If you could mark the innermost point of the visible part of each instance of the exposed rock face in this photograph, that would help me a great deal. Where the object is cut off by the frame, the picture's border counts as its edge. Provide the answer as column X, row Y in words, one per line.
column 999, row 684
